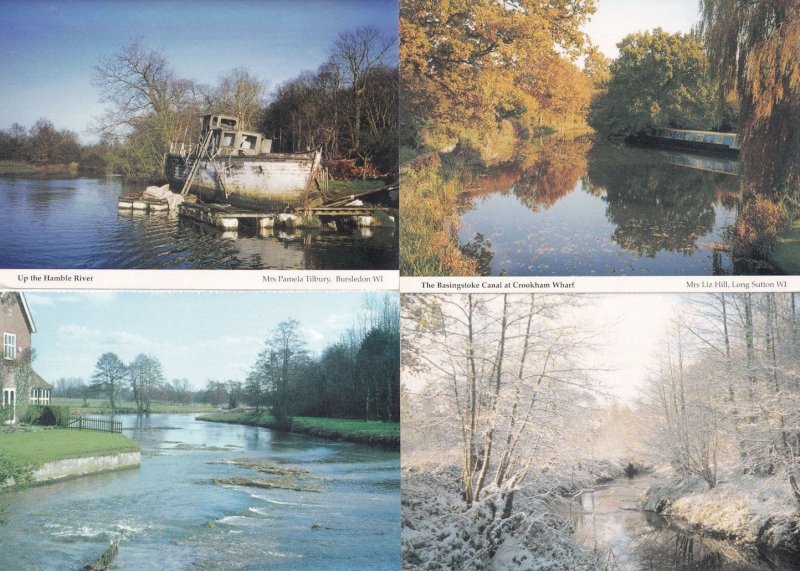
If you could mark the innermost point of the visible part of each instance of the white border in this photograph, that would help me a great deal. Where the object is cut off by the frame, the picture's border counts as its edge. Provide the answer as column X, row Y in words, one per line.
column 244, row 280
column 583, row 284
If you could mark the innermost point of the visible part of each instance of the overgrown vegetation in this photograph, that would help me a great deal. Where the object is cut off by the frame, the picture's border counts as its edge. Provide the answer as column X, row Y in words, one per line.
column 428, row 243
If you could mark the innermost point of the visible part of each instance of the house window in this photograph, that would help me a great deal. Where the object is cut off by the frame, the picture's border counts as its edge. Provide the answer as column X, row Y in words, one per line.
column 9, row 346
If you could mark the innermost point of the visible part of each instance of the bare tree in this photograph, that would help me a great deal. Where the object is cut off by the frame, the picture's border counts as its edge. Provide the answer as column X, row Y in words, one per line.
column 357, row 54
column 146, row 377
column 504, row 370
column 109, row 377
column 240, row 94
column 147, row 103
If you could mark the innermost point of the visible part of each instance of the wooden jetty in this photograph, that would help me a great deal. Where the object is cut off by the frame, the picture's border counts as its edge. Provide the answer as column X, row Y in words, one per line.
column 138, row 201
column 227, row 217
column 352, row 209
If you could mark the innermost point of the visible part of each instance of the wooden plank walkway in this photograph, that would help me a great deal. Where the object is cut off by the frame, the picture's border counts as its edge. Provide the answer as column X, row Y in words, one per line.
column 227, row 217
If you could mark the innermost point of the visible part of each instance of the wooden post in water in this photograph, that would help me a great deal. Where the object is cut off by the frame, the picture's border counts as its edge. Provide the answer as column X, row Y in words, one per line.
column 103, row 562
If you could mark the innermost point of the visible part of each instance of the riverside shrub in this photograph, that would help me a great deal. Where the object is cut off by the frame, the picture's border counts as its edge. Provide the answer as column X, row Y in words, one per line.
column 46, row 415
column 757, row 227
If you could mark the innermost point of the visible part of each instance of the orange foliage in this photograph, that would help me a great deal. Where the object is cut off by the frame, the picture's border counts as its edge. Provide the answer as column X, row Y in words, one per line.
column 757, row 227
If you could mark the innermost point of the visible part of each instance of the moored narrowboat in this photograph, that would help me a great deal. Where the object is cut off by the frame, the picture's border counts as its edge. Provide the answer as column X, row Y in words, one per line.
column 710, row 141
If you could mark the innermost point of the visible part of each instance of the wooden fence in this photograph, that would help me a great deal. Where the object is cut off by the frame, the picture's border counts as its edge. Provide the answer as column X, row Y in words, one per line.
column 99, row 424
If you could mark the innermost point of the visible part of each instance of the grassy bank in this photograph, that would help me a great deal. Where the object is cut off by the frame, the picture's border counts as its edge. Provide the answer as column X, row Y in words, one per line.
column 373, row 433
column 786, row 254
column 100, row 406
column 19, row 168
column 345, row 187
column 429, row 242
column 40, row 446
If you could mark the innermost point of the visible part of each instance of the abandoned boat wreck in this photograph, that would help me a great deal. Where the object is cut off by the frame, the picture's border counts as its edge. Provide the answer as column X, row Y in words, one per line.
column 237, row 167
column 236, row 180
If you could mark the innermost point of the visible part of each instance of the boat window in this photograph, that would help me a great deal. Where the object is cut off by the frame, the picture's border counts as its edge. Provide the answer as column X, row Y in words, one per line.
column 227, row 139
column 727, row 140
column 249, row 142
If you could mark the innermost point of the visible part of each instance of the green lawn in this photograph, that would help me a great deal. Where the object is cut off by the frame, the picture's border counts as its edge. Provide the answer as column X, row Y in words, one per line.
column 384, row 434
column 101, row 406
column 60, row 444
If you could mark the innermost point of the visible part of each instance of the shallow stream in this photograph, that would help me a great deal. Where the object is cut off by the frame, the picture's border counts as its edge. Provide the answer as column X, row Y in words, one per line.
column 168, row 516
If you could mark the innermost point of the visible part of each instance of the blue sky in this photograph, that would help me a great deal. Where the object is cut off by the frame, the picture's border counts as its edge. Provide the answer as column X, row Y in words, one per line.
column 195, row 335
column 48, row 48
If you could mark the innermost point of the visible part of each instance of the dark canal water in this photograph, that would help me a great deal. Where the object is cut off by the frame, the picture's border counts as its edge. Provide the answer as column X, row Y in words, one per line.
column 609, row 520
column 75, row 224
column 573, row 207
column 167, row 518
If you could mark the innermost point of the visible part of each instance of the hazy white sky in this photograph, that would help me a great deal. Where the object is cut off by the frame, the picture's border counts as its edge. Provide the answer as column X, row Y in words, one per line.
column 616, row 19
column 629, row 329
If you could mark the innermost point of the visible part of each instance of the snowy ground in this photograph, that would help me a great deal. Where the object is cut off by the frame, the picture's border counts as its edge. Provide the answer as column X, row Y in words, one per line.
column 440, row 533
column 750, row 509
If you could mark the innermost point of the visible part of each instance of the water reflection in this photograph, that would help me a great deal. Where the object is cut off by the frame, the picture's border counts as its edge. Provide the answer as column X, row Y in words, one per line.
column 608, row 519
column 576, row 207
column 75, row 223
column 655, row 206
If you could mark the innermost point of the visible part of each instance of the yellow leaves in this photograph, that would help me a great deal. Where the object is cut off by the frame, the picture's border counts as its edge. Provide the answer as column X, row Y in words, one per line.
column 466, row 61
column 772, row 69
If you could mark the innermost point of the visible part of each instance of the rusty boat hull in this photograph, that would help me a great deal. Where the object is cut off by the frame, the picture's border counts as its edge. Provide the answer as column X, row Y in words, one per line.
column 266, row 182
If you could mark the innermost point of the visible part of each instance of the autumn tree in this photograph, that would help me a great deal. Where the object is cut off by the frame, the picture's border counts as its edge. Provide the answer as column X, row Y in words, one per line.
column 658, row 80
column 109, row 377
column 463, row 62
column 753, row 49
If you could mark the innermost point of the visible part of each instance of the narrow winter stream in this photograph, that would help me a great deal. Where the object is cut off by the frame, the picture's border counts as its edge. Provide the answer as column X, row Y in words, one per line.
column 608, row 519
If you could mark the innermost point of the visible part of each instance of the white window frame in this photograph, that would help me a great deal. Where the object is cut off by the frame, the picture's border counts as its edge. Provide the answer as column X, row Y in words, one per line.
column 9, row 346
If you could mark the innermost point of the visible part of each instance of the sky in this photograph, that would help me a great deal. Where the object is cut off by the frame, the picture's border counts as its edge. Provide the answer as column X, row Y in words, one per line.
column 196, row 335
column 627, row 331
column 48, row 48
column 615, row 19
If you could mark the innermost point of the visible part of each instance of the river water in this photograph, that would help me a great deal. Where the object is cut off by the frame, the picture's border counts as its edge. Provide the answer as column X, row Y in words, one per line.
column 576, row 207
column 168, row 518
column 609, row 520
column 75, row 224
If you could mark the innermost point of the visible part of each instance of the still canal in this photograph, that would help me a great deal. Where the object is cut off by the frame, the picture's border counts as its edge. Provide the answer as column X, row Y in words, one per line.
column 609, row 520
column 168, row 516
column 75, row 224
column 580, row 207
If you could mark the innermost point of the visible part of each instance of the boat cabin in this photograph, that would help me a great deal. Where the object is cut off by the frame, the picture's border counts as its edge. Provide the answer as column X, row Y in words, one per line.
column 229, row 140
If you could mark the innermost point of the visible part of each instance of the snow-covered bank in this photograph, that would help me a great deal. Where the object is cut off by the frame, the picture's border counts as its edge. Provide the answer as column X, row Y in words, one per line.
column 440, row 533
column 748, row 509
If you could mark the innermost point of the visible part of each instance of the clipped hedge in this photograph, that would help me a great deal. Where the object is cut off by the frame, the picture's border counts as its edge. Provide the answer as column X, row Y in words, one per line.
column 47, row 415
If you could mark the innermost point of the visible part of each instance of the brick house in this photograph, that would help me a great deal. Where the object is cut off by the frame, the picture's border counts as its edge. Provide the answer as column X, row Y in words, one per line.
column 17, row 326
